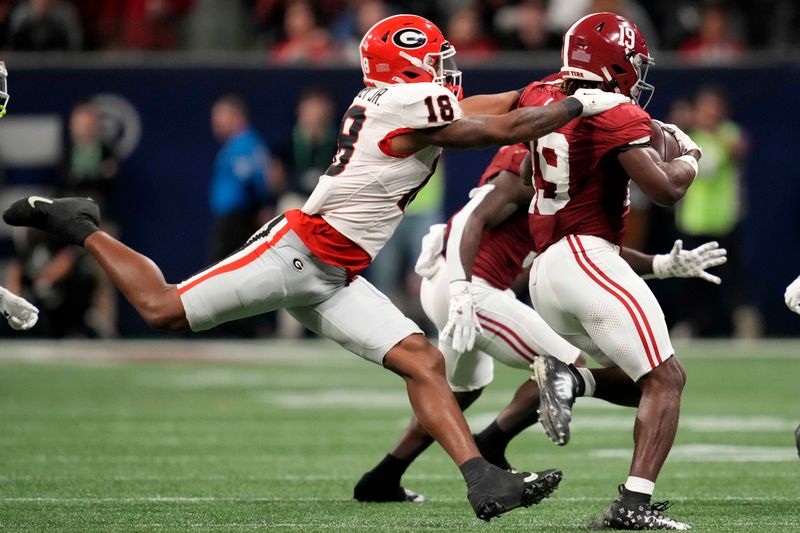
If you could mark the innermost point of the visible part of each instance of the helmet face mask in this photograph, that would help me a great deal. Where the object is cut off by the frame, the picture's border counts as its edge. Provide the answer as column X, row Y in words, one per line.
column 4, row 96
column 642, row 92
column 408, row 49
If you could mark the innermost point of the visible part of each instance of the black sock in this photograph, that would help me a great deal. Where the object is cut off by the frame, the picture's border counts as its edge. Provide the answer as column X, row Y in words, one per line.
column 473, row 470
column 493, row 437
column 634, row 497
column 391, row 468
column 492, row 443
column 581, row 384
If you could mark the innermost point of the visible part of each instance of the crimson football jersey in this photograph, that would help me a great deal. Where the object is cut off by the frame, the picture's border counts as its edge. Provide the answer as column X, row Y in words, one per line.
column 580, row 187
column 504, row 247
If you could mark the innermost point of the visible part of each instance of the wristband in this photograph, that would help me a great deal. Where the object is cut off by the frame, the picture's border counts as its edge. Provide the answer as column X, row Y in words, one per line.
column 691, row 160
column 660, row 262
column 574, row 107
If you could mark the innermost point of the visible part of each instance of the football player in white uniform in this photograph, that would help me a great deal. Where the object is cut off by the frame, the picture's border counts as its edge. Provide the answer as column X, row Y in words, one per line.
column 308, row 260
column 20, row 313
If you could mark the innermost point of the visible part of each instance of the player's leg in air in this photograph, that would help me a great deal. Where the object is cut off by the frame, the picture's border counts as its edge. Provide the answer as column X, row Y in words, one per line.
column 257, row 275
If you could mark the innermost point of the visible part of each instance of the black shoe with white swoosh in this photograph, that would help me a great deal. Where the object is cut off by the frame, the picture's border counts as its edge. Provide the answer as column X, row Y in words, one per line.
column 70, row 219
column 500, row 491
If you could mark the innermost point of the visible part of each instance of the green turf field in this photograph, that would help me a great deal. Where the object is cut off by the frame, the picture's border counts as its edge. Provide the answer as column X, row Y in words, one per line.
column 276, row 436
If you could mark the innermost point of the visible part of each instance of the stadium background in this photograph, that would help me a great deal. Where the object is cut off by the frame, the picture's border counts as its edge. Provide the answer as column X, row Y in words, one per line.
column 184, row 434
column 162, row 200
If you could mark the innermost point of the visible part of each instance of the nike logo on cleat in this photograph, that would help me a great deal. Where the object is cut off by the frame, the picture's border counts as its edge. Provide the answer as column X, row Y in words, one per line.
column 532, row 477
column 33, row 199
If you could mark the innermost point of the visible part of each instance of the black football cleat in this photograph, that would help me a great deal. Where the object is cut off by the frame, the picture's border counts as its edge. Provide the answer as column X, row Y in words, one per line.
column 369, row 489
column 499, row 491
column 70, row 219
column 640, row 516
column 558, row 389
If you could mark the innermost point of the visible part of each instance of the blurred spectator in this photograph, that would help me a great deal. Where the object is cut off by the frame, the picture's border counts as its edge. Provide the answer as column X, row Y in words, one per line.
column 218, row 25
column 56, row 278
column 305, row 41
column 240, row 193
column 712, row 210
column 138, row 24
column 714, row 43
column 239, row 186
column 524, row 27
column 354, row 22
column 312, row 144
column 465, row 32
column 91, row 167
column 44, row 25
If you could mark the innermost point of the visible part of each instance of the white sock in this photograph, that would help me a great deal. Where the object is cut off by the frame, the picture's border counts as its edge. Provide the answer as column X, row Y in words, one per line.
column 640, row 484
column 588, row 380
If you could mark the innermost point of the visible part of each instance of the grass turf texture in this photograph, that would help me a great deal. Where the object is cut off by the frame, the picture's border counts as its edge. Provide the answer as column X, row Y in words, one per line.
column 104, row 438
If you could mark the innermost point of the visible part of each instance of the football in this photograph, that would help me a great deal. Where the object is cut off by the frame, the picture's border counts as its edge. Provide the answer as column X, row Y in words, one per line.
column 663, row 141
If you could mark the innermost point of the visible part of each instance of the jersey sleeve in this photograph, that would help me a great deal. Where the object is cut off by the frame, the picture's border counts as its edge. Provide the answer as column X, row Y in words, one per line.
column 624, row 125
column 508, row 158
column 429, row 106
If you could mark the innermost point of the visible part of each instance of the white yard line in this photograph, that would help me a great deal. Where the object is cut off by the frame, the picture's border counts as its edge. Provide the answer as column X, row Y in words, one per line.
column 310, row 351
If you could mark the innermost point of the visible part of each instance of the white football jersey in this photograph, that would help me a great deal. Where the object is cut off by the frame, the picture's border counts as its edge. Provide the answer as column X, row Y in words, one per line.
column 365, row 190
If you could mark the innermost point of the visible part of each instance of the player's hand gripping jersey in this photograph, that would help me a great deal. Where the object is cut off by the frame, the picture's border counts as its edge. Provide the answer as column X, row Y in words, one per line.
column 367, row 187
column 581, row 189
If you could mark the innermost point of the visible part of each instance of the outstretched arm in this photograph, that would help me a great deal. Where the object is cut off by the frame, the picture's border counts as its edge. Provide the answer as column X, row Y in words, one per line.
column 678, row 263
column 490, row 104
column 520, row 125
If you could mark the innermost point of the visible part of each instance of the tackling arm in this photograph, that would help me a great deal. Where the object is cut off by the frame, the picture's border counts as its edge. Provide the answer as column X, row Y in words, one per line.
column 516, row 126
column 490, row 104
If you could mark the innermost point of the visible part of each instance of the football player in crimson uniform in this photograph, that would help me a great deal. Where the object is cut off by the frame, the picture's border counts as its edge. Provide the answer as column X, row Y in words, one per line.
column 308, row 260
column 466, row 293
column 20, row 313
column 579, row 284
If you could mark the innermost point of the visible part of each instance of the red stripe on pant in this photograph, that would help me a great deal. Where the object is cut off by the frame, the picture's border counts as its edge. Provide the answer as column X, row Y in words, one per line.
column 627, row 306
column 237, row 264
column 633, row 300
column 497, row 328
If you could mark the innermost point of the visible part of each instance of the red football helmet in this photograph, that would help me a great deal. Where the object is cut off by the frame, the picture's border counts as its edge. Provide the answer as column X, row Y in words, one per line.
column 408, row 49
column 610, row 49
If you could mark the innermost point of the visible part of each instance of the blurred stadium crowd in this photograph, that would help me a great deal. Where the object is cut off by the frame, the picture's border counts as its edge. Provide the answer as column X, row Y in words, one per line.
column 313, row 31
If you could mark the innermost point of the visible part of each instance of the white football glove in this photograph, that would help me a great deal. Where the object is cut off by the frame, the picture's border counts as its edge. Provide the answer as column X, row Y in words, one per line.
column 684, row 141
column 18, row 311
column 462, row 319
column 792, row 296
column 428, row 262
column 595, row 101
column 679, row 263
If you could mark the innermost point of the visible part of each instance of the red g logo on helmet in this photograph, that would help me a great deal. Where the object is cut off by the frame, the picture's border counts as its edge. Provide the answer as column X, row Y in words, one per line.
column 408, row 49
column 410, row 38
